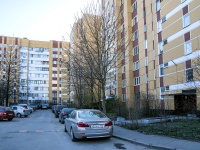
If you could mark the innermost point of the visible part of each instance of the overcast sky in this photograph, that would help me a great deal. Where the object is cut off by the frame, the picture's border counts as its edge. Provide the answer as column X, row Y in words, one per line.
column 42, row 20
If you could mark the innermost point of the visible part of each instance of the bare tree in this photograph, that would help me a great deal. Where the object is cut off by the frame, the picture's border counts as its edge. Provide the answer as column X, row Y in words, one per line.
column 10, row 74
column 96, row 48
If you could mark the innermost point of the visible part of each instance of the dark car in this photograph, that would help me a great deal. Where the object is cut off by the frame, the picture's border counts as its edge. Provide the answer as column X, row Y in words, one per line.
column 64, row 114
column 58, row 109
column 53, row 108
column 6, row 113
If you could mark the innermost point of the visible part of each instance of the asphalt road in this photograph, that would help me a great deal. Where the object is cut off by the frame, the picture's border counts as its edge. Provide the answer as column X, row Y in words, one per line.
column 42, row 131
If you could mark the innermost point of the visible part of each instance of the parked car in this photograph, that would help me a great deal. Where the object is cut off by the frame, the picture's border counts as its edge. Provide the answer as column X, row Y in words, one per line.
column 53, row 108
column 57, row 110
column 6, row 113
column 27, row 107
column 64, row 114
column 44, row 106
column 20, row 111
column 88, row 123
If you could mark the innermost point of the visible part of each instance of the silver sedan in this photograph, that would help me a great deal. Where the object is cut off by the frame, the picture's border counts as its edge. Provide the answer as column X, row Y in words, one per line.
column 88, row 123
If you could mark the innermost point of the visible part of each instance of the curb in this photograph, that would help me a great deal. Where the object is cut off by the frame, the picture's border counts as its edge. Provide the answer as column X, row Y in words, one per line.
column 144, row 144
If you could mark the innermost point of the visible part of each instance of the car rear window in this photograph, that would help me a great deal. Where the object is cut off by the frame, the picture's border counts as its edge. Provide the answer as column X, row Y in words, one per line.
column 90, row 114
column 8, row 109
column 61, row 107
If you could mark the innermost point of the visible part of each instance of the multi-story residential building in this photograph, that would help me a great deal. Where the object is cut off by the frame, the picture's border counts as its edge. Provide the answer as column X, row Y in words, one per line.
column 40, row 70
column 161, row 57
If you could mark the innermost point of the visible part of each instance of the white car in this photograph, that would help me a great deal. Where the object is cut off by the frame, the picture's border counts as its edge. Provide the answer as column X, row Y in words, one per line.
column 27, row 107
column 20, row 111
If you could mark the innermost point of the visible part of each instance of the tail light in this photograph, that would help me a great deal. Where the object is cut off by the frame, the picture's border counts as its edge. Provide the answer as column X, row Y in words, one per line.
column 109, row 123
column 82, row 124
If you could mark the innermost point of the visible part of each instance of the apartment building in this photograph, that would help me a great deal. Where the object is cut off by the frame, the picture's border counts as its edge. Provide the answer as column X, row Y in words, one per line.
column 161, row 59
column 39, row 66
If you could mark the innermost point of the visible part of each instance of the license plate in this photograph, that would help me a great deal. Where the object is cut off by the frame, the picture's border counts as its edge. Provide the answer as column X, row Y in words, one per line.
column 10, row 114
column 97, row 126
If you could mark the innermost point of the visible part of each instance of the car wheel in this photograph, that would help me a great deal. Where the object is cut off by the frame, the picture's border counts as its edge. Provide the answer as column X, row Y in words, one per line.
column 72, row 135
column 10, row 119
column 19, row 115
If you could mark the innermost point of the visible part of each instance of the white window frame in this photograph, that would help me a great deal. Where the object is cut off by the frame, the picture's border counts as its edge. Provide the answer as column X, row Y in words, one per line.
column 134, row 20
column 136, row 50
column 145, row 44
column 135, row 35
column 124, row 83
column 134, row 6
column 160, row 47
column 136, row 81
column 186, row 20
column 123, row 69
column 188, row 47
column 146, row 61
column 157, row 5
column 123, row 97
column 136, row 65
column 159, row 26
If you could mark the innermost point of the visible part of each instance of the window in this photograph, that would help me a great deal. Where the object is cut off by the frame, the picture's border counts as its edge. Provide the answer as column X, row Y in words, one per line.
column 136, row 50
column 55, row 49
column 145, row 44
column 163, row 19
column 123, row 97
column 135, row 35
column 123, row 83
column 162, row 89
column 159, row 26
column 136, row 81
column 186, row 20
column 166, row 65
column 54, row 62
column 121, row 15
column 136, row 65
column 147, row 78
column 123, row 69
column 123, row 55
column 134, row 6
column 167, row 88
column 160, row 47
column 146, row 61
column 158, row 5
column 134, row 20
column 161, row 70
column 121, row 2
column 122, row 28
column 189, row 75
column 164, row 41
column 145, row 28
column 188, row 47
column 122, row 41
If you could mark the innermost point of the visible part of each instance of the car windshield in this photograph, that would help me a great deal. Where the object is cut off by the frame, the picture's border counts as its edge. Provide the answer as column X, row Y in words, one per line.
column 90, row 114
column 67, row 110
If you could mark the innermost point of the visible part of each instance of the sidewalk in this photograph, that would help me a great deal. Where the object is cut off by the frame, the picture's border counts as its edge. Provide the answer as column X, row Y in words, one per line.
column 154, row 141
